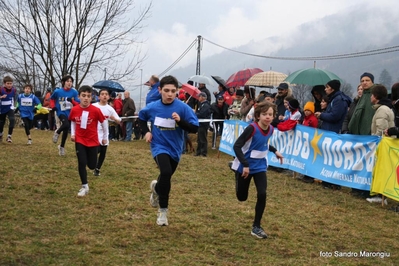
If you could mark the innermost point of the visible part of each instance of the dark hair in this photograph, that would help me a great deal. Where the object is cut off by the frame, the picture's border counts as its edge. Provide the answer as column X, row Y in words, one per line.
column 325, row 98
column 28, row 85
column 168, row 80
column 65, row 78
column 103, row 90
column 289, row 98
column 379, row 91
column 85, row 88
column 7, row 79
column 263, row 107
column 395, row 92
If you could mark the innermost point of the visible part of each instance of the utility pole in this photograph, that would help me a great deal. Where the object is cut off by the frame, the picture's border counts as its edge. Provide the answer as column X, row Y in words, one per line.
column 199, row 42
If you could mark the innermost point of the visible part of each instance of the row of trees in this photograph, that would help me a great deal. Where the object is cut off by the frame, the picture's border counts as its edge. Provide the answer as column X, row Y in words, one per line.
column 42, row 40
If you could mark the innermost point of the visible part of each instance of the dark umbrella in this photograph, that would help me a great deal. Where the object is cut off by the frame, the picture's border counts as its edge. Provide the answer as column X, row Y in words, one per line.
column 109, row 85
column 220, row 81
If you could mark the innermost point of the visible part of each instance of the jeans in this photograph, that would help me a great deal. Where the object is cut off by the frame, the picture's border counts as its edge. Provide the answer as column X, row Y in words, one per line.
column 129, row 131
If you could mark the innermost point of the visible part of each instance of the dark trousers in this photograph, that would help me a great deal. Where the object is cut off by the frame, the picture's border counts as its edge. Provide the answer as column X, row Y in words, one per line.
column 242, row 187
column 87, row 156
column 167, row 166
column 102, row 150
column 11, row 119
column 27, row 125
column 64, row 128
column 202, row 141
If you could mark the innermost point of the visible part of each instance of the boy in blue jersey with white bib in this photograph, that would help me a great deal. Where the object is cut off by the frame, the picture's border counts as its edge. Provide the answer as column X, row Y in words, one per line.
column 251, row 149
column 169, row 118
column 26, row 104
column 8, row 95
column 61, row 101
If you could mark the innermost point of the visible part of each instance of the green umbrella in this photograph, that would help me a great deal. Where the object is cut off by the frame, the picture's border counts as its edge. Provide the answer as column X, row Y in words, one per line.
column 311, row 76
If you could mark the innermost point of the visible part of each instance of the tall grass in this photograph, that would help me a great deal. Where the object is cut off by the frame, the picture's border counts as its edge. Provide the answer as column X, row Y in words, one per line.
column 43, row 222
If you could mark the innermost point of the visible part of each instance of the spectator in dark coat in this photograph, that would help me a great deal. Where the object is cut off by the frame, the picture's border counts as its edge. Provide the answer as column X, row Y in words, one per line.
column 318, row 93
column 337, row 108
column 282, row 92
column 352, row 107
column 203, row 112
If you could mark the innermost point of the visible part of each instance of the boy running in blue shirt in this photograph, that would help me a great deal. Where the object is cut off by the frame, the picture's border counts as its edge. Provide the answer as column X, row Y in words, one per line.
column 251, row 149
column 26, row 104
column 62, row 100
column 8, row 95
column 169, row 118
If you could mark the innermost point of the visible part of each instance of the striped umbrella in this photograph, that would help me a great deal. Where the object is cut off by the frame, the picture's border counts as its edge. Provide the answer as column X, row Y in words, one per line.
column 266, row 79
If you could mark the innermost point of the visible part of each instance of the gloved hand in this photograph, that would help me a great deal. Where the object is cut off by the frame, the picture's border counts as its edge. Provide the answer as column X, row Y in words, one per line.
column 69, row 99
column 393, row 131
column 16, row 111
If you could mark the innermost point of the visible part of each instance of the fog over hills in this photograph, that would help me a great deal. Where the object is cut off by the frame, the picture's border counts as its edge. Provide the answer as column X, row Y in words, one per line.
column 352, row 31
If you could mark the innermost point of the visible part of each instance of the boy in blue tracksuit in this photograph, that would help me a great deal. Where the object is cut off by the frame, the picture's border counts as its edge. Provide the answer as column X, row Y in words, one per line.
column 26, row 104
column 251, row 149
column 169, row 119
column 8, row 95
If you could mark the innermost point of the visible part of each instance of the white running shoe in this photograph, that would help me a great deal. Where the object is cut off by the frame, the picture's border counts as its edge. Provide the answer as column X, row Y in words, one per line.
column 83, row 191
column 154, row 198
column 55, row 137
column 377, row 199
column 61, row 150
column 29, row 142
column 162, row 217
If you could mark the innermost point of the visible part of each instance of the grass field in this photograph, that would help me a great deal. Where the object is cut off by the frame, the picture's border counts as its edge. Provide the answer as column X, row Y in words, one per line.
column 43, row 222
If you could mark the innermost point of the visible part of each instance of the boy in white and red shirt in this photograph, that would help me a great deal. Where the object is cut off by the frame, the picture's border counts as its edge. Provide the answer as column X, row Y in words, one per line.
column 85, row 119
column 109, row 113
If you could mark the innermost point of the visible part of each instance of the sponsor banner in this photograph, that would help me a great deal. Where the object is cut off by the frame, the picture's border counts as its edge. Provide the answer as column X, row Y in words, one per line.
column 341, row 159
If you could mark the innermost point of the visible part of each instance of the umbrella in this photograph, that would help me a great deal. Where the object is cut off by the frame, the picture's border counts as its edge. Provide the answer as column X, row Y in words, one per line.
column 201, row 79
column 266, row 79
column 239, row 78
column 311, row 77
column 220, row 81
column 190, row 89
column 109, row 85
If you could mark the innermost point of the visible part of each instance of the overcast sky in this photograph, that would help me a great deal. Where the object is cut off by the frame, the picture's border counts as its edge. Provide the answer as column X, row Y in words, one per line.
column 175, row 24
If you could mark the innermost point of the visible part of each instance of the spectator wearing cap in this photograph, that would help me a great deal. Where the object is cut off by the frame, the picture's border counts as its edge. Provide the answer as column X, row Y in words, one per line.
column 203, row 112
column 282, row 92
column 153, row 93
column 248, row 101
column 337, row 107
column 234, row 110
column 202, row 87
column 294, row 116
column 310, row 120
column 360, row 122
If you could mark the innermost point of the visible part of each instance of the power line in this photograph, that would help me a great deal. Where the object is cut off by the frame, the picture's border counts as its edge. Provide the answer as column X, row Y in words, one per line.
column 327, row 57
column 179, row 58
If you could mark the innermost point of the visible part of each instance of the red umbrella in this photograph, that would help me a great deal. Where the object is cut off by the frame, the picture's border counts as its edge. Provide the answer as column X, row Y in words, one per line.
column 239, row 78
column 190, row 89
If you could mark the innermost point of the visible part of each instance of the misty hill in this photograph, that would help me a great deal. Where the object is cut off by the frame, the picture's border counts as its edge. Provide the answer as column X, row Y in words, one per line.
column 352, row 31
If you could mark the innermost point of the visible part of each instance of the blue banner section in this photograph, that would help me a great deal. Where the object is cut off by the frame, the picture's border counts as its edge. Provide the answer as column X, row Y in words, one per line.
column 341, row 159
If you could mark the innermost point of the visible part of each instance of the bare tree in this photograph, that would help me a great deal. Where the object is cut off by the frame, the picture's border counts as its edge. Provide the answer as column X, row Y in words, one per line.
column 302, row 93
column 46, row 39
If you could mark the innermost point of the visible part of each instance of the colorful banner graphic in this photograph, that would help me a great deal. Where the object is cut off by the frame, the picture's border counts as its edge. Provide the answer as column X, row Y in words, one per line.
column 341, row 159
column 386, row 170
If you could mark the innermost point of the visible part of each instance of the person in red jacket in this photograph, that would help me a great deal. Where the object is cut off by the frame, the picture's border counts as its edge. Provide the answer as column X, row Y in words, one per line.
column 310, row 119
column 294, row 117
